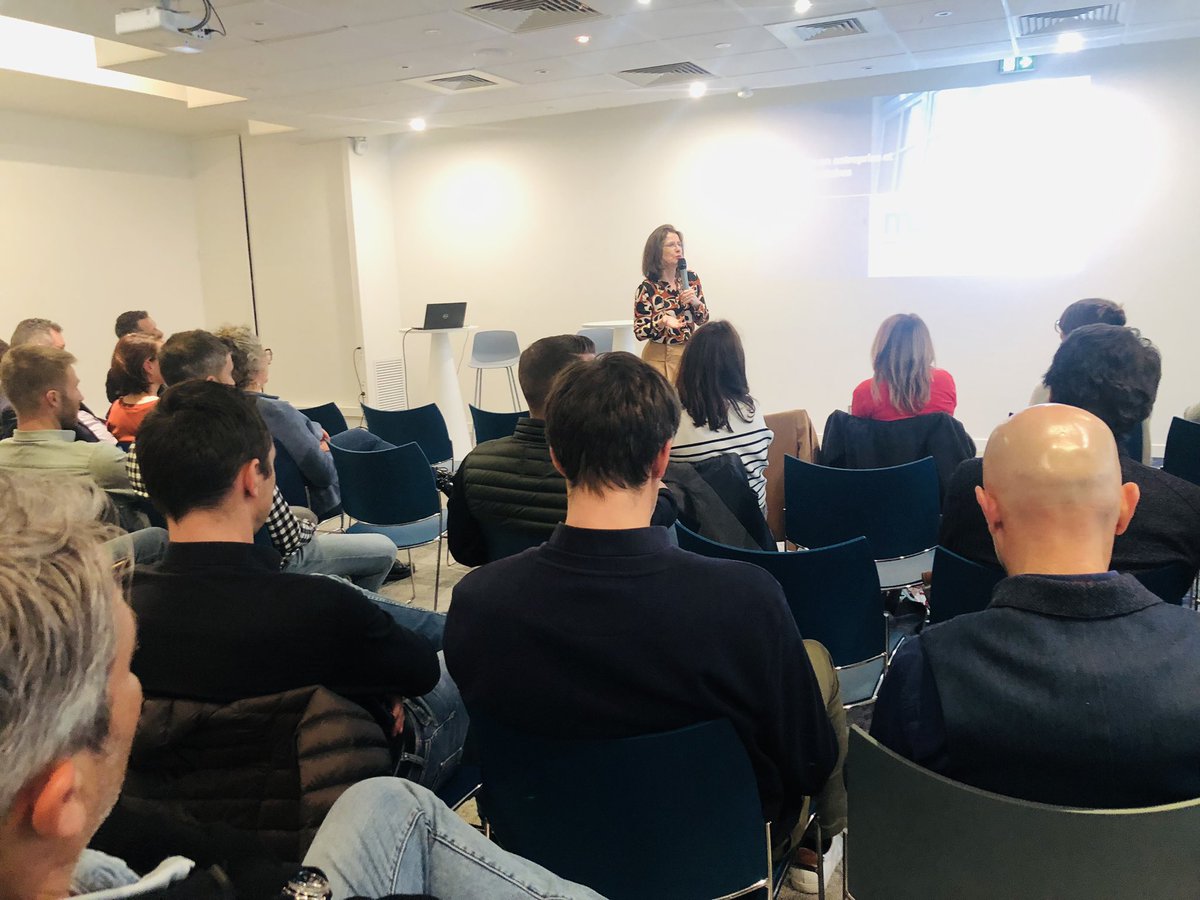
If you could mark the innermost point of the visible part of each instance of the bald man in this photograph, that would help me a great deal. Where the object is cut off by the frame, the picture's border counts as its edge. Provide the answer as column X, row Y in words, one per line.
column 1076, row 686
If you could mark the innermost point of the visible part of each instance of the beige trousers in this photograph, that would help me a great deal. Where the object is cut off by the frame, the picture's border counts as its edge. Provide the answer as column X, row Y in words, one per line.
column 663, row 357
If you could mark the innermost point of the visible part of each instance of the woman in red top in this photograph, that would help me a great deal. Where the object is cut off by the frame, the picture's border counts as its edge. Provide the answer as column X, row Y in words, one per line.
column 905, row 384
column 133, row 383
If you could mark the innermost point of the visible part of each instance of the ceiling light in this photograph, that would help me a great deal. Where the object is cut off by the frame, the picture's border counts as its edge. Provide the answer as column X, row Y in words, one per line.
column 745, row 93
column 416, row 124
column 941, row 14
column 644, row 2
column 541, row 71
column 724, row 45
column 433, row 31
column 802, row 6
column 697, row 89
column 582, row 38
column 186, row 48
column 1069, row 42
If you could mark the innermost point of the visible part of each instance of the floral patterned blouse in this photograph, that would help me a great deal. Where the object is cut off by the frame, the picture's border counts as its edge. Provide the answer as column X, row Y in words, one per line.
column 654, row 300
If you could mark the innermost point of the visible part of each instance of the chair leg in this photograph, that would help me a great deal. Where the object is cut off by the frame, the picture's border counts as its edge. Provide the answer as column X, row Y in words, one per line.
column 412, row 579
column 820, row 863
column 478, row 388
column 512, row 386
column 437, row 577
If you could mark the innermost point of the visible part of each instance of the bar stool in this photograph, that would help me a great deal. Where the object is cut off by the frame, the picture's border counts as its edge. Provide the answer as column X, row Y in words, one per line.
column 495, row 350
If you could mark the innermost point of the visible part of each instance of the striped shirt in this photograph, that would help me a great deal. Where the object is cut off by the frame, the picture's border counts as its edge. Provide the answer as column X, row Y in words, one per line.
column 749, row 440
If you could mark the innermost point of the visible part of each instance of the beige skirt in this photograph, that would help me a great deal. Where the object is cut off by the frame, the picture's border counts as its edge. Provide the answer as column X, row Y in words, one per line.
column 663, row 357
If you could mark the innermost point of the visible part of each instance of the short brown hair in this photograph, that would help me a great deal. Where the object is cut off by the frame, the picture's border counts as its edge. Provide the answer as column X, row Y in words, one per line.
column 652, row 253
column 127, row 370
column 543, row 360
column 1090, row 311
column 28, row 371
column 607, row 419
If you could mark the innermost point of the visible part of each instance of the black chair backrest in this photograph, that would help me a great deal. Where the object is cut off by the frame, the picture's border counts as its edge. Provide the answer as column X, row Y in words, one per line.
column 982, row 846
column 959, row 586
column 1171, row 582
column 675, row 814
column 896, row 509
column 423, row 426
column 491, row 425
column 1182, row 454
column 328, row 416
column 288, row 478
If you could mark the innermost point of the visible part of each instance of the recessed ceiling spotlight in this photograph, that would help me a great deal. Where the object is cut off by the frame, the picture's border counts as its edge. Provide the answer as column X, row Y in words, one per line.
column 697, row 89
column 403, row 66
column 582, row 38
column 745, row 93
column 802, row 6
column 724, row 45
column 941, row 14
column 867, row 68
column 258, row 24
column 416, row 124
column 541, row 71
column 433, row 31
column 1069, row 42
column 644, row 2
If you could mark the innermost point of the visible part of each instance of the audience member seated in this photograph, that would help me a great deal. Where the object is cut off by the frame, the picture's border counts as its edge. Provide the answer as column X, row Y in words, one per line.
column 905, row 382
column 1076, row 686
column 366, row 559
column 44, row 333
column 304, row 440
column 510, row 483
column 1093, row 311
column 221, row 623
column 719, row 415
column 71, row 639
column 137, row 321
column 626, row 634
column 1113, row 373
column 43, row 388
column 133, row 384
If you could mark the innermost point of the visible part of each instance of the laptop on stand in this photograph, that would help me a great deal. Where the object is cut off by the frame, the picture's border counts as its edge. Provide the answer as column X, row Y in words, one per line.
column 442, row 316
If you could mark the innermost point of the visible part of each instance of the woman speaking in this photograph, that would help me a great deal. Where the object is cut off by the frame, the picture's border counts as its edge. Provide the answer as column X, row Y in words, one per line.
column 669, row 304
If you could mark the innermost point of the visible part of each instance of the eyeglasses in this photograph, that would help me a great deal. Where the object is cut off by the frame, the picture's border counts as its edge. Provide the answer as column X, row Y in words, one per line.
column 1058, row 326
column 122, row 574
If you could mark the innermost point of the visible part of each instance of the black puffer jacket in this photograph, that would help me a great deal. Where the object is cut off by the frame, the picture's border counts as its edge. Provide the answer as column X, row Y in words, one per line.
column 271, row 765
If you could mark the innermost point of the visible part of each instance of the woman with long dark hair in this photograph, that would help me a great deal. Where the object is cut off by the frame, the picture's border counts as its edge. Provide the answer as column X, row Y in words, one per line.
column 669, row 304
column 719, row 415
column 133, row 383
column 905, row 383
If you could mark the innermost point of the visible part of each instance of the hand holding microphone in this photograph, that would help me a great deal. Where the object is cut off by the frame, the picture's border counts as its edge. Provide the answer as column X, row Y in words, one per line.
column 687, row 295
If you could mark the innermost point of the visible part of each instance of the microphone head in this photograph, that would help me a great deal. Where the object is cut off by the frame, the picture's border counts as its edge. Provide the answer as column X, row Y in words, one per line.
column 681, row 266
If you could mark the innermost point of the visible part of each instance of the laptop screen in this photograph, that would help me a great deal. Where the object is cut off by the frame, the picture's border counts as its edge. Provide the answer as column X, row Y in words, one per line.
column 444, row 315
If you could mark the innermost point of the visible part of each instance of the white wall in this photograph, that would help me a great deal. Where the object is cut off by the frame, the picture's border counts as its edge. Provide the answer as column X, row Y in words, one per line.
column 95, row 220
column 539, row 224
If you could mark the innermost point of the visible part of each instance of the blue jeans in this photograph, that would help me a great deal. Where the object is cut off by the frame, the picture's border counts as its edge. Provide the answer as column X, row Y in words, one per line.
column 365, row 559
column 387, row 836
column 435, row 729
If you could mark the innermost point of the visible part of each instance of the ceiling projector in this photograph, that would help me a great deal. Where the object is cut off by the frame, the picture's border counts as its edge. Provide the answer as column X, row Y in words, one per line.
column 161, row 27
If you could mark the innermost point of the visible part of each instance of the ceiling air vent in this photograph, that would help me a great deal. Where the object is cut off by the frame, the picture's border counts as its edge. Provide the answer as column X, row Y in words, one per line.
column 834, row 28
column 460, row 82
column 671, row 73
column 1101, row 16
column 520, row 16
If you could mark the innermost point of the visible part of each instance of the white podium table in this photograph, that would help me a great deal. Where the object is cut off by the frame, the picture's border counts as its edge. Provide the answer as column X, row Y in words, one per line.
column 443, row 388
column 623, row 338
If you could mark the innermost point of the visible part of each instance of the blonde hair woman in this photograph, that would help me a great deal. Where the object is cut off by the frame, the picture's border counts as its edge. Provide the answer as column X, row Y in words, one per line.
column 905, row 383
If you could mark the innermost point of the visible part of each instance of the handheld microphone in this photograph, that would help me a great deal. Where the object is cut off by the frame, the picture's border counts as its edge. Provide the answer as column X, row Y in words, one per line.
column 681, row 274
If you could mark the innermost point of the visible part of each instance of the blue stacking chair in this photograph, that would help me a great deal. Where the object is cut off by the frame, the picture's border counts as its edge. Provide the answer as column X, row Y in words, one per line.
column 897, row 509
column 984, row 846
column 288, row 478
column 1182, row 454
column 833, row 593
column 328, row 416
column 423, row 426
column 492, row 425
column 959, row 586
column 392, row 492
column 495, row 350
column 675, row 814
column 1171, row 583
column 601, row 337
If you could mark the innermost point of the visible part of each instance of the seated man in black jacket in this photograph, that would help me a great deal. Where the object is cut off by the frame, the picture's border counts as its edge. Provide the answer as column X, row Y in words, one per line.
column 220, row 622
column 510, row 483
column 1113, row 373
column 69, row 706
column 1076, row 686
column 607, row 630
